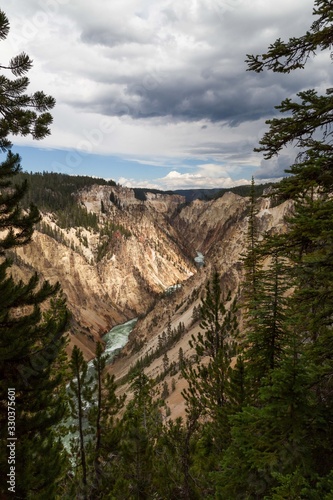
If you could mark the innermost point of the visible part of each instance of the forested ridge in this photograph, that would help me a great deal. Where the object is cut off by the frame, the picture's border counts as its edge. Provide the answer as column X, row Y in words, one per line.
column 57, row 193
column 259, row 396
column 54, row 191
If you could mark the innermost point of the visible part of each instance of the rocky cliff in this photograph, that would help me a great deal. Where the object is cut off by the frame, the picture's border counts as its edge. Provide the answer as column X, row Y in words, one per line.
column 116, row 270
column 142, row 245
column 219, row 230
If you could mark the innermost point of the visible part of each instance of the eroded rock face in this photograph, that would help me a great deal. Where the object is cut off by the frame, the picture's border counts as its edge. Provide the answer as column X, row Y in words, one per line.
column 114, row 272
column 219, row 229
column 139, row 249
column 205, row 222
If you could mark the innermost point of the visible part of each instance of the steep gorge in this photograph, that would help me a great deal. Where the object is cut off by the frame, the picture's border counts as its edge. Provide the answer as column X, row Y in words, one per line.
column 219, row 229
column 124, row 267
column 115, row 272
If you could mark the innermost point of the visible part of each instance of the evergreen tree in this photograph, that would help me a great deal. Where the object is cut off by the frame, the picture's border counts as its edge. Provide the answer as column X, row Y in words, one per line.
column 101, row 417
column 21, row 114
column 181, row 359
column 308, row 118
column 99, row 365
column 278, row 446
column 16, row 226
column 195, row 314
column 33, row 315
column 141, row 426
column 266, row 316
column 208, row 380
column 238, row 388
column 165, row 362
column 175, row 450
column 274, row 437
column 251, row 258
column 80, row 399
column 31, row 353
column 165, row 390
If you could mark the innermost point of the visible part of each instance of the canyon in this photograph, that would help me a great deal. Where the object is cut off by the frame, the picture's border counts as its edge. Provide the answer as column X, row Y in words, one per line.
column 140, row 262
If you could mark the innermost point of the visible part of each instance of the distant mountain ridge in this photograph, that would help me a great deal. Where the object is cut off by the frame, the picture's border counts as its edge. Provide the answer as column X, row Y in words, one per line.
column 203, row 193
column 69, row 184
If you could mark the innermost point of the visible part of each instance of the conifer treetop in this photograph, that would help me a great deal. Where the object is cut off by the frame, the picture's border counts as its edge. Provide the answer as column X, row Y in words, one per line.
column 283, row 57
column 305, row 121
column 21, row 113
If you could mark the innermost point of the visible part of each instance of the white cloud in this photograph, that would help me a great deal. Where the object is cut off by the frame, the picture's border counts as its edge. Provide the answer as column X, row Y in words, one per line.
column 208, row 176
column 169, row 76
column 176, row 180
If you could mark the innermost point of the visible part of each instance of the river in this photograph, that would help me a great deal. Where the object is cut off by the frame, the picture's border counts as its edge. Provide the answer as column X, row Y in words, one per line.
column 199, row 259
column 114, row 340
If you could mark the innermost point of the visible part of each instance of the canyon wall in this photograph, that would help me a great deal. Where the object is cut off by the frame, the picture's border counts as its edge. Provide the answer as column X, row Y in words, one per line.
column 115, row 271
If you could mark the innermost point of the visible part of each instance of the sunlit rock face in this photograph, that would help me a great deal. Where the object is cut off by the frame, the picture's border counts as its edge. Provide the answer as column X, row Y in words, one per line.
column 115, row 271
column 142, row 246
column 217, row 229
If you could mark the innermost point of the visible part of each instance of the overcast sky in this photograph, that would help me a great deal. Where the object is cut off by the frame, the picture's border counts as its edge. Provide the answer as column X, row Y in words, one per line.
column 155, row 92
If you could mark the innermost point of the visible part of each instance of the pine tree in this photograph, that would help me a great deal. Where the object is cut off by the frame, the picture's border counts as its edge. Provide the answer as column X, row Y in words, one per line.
column 21, row 114
column 99, row 365
column 81, row 396
column 165, row 390
column 251, row 258
column 165, row 361
column 141, row 426
column 31, row 347
column 266, row 329
column 238, row 388
column 279, row 443
column 307, row 124
column 195, row 314
column 273, row 440
column 101, row 417
column 208, row 380
column 33, row 315
column 181, row 359
column 175, row 449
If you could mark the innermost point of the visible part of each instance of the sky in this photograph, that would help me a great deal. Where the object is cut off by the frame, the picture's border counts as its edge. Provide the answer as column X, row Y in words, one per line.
column 155, row 93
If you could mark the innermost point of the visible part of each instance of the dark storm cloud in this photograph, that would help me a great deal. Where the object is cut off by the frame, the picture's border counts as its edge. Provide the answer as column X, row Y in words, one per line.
column 196, row 71
column 228, row 151
column 197, row 52
column 231, row 100
column 274, row 168
column 113, row 34
column 105, row 36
